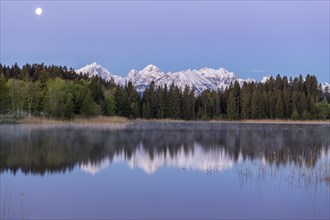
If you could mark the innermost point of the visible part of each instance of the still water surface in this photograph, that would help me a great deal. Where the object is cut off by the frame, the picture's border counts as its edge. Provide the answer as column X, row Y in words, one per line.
column 157, row 170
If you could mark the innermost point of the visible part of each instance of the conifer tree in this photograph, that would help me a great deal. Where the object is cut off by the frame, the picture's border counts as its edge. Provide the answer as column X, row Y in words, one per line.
column 187, row 104
column 246, row 101
column 231, row 106
column 160, row 102
column 279, row 107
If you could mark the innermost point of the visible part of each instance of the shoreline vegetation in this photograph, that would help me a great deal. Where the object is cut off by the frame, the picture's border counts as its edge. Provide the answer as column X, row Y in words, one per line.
column 109, row 120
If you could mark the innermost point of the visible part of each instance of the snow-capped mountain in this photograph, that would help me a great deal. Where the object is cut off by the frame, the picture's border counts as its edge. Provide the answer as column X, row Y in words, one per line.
column 141, row 79
column 202, row 79
column 95, row 69
column 187, row 77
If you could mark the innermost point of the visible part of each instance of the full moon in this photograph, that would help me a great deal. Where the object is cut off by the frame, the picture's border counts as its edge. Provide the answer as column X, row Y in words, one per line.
column 38, row 11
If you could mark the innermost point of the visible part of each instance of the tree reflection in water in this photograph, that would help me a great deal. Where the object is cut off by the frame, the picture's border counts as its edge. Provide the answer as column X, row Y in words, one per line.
column 257, row 152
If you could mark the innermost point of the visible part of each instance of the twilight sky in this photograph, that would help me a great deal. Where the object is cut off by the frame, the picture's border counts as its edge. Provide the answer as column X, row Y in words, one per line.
column 250, row 38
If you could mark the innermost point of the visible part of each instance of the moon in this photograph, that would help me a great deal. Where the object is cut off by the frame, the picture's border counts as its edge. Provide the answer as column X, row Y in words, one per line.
column 38, row 11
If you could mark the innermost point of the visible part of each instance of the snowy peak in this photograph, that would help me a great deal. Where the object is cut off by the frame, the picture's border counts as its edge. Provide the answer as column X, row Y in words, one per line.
column 95, row 69
column 132, row 73
column 216, row 73
column 152, row 69
column 191, row 78
column 141, row 79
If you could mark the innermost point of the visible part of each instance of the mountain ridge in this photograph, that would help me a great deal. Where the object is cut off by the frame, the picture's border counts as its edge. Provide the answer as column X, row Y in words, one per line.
column 201, row 79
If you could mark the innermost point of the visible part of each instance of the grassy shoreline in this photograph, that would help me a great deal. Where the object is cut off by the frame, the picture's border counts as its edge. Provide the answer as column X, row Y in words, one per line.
column 102, row 120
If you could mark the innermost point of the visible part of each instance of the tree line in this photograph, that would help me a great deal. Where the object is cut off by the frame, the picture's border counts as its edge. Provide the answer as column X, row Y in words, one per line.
column 59, row 92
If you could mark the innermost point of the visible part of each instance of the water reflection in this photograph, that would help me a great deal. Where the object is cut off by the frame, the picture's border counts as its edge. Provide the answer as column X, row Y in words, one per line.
column 216, row 170
column 194, row 159
column 150, row 146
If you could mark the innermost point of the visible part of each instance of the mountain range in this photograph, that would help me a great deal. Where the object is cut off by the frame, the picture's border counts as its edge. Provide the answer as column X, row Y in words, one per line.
column 202, row 79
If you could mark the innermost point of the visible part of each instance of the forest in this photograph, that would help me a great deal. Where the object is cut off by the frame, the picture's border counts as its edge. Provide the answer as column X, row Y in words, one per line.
column 58, row 92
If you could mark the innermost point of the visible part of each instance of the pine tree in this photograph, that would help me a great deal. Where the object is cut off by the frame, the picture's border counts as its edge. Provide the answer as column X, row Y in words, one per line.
column 216, row 104
column 237, row 94
column 96, row 88
column 132, row 100
column 246, row 101
column 233, row 102
column 279, row 107
column 205, row 104
column 311, row 86
column 174, row 102
column 188, row 104
column 256, row 104
column 287, row 104
column 271, row 103
column 149, row 102
column 231, row 106
column 160, row 103
column 302, row 104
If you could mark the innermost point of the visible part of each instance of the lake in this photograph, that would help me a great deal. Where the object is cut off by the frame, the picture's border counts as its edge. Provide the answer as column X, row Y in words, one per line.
column 159, row 170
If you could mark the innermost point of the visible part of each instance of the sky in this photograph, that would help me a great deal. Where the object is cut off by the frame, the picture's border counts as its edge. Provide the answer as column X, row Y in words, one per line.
column 250, row 38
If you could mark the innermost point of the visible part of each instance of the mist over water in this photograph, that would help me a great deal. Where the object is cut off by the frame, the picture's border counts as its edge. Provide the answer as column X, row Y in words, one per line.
column 191, row 169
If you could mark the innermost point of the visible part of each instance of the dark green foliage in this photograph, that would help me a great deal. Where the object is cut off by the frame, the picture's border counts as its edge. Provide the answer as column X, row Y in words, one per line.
column 149, row 109
column 110, row 104
column 68, row 106
column 4, row 97
column 246, row 98
column 279, row 107
column 234, row 102
column 295, row 114
column 160, row 102
column 173, row 100
column 127, row 101
column 58, row 92
column 231, row 106
column 323, row 110
column 133, row 101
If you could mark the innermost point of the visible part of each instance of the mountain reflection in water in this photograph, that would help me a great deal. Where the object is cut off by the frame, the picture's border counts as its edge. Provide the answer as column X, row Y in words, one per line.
column 195, row 159
column 150, row 146
column 153, row 170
